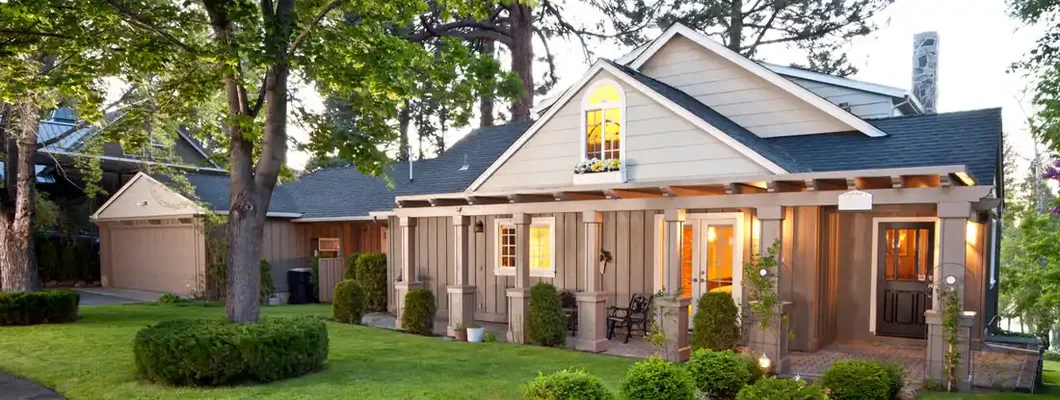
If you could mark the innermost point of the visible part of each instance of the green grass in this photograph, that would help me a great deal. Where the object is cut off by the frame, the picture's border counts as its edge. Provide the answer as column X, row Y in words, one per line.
column 92, row 359
column 1050, row 376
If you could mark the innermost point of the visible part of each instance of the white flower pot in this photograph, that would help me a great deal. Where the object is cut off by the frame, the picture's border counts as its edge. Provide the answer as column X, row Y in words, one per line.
column 597, row 178
column 474, row 335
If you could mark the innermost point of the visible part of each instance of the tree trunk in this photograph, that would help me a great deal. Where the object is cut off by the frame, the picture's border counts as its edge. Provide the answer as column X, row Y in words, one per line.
column 485, row 107
column 403, row 132
column 18, row 268
column 522, row 29
column 736, row 26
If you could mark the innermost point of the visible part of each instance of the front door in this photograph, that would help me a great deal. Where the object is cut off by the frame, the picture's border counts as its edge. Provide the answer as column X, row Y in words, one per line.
column 716, row 252
column 906, row 254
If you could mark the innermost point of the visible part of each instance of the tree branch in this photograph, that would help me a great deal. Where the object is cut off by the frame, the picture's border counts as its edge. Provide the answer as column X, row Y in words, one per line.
column 139, row 20
column 479, row 30
column 551, row 64
column 261, row 96
column 309, row 28
column 32, row 33
column 762, row 33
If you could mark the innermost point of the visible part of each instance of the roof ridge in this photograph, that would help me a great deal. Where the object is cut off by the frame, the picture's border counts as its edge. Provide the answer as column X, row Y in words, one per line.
column 933, row 114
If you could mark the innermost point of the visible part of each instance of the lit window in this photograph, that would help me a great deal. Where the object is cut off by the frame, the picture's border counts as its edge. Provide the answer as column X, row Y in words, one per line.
column 603, row 108
column 542, row 243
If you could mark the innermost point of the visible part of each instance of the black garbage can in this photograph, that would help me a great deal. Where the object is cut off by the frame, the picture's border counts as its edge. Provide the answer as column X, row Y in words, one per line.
column 299, row 282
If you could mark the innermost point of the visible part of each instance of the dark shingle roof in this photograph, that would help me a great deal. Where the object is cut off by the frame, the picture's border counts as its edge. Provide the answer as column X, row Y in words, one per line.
column 708, row 115
column 345, row 192
column 969, row 138
column 213, row 190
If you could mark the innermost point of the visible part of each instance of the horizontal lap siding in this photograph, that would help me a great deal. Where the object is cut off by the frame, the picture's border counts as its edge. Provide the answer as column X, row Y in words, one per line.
column 863, row 104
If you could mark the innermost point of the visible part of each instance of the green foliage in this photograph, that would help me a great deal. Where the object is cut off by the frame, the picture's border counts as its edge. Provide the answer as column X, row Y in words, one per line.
column 266, row 288
column 170, row 298
column 47, row 212
column 88, row 261
column 489, row 337
column 951, row 318
column 545, row 324
column 716, row 323
column 772, row 388
column 753, row 368
column 203, row 352
column 68, row 262
column 762, row 296
column 314, row 278
column 1051, row 355
column 566, row 384
column 895, row 376
column 48, row 261
column 350, row 272
column 348, row 306
column 857, row 380
column 41, row 307
column 418, row 315
column 657, row 379
column 720, row 374
column 1042, row 64
column 371, row 272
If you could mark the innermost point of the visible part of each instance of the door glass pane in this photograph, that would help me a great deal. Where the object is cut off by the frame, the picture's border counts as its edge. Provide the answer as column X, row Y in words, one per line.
column 924, row 258
column 686, row 261
column 593, row 142
column 720, row 249
column 888, row 262
column 907, row 262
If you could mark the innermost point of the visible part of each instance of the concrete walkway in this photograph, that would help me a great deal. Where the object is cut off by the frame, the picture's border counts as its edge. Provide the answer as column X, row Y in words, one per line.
column 15, row 388
column 101, row 296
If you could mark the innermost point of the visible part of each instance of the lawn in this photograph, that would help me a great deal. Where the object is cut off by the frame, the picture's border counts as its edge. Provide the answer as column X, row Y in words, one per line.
column 92, row 359
column 1050, row 375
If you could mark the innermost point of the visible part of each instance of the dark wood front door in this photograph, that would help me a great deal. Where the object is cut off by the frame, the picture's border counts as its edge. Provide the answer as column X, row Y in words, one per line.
column 906, row 254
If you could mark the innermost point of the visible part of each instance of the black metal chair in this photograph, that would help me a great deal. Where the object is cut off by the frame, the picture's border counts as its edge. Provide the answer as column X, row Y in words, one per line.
column 570, row 310
column 634, row 317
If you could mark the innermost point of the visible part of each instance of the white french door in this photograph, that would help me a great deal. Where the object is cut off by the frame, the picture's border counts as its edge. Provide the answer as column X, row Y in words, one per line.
column 711, row 256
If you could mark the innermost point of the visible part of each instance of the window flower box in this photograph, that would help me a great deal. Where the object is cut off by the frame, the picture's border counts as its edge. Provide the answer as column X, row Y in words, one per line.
column 594, row 172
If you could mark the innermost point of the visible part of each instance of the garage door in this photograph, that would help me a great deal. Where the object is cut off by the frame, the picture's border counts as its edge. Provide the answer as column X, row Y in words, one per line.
column 157, row 258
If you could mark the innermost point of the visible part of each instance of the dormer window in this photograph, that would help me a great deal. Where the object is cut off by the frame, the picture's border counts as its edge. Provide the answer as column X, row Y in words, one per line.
column 603, row 134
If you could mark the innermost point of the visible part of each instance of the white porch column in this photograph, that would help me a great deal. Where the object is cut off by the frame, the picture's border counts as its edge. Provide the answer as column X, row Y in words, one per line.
column 592, row 303
column 461, row 293
column 953, row 242
column 672, row 309
column 519, row 296
column 772, row 341
column 408, row 280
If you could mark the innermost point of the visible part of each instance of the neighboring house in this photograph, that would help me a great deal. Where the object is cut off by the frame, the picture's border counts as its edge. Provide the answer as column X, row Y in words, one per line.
column 714, row 158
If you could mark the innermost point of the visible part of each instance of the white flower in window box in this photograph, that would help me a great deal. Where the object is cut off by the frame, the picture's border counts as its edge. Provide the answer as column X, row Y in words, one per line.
column 596, row 171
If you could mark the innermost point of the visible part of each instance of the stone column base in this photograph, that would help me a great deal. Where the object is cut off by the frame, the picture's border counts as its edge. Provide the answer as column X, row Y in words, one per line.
column 935, row 353
column 673, row 316
column 403, row 288
column 592, row 318
column 518, row 307
column 772, row 341
column 461, row 306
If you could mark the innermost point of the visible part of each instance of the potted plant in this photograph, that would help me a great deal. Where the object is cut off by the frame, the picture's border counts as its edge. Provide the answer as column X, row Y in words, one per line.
column 460, row 333
column 474, row 333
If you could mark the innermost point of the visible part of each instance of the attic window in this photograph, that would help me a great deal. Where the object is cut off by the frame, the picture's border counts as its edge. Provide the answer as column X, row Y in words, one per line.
column 604, row 109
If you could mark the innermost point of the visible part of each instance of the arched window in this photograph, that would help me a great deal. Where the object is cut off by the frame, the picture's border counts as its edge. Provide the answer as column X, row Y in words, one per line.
column 603, row 108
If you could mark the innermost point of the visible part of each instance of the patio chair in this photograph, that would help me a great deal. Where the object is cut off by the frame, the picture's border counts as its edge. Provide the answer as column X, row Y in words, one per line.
column 570, row 310
column 634, row 317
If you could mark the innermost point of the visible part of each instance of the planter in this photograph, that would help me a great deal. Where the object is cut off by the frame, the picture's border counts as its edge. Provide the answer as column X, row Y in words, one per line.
column 474, row 335
column 598, row 178
column 460, row 335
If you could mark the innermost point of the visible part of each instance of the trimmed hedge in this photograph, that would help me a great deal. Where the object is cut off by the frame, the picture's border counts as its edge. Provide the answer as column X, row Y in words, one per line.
column 781, row 389
column 348, row 306
column 895, row 376
column 350, row 272
column 716, row 324
column 857, row 380
column 720, row 374
column 267, row 288
column 546, row 325
column 40, row 307
column 371, row 272
column 210, row 352
column 658, row 379
column 566, row 384
column 418, row 315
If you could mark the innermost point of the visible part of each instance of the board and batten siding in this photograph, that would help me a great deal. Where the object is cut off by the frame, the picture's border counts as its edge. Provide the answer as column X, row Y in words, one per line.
column 863, row 104
column 283, row 246
column 659, row 145
column 735, row 92
column 628, row 235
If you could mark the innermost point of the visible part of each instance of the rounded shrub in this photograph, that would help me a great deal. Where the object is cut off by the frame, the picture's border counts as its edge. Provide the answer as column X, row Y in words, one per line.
column 203, row 352
column 566, row 384
column 856, row 380
column 657, row 379
column 716, row 323
column 418, row 315
column 348, row 306
column 546, row 325
column 752, row 367
column 350, row 272
column 781, row 389
column 719, row 374
column 40, row 307
column 371, row 272
column 895, row 377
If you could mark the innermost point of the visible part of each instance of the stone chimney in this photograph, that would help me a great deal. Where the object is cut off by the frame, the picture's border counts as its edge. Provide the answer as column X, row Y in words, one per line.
column 925, row 70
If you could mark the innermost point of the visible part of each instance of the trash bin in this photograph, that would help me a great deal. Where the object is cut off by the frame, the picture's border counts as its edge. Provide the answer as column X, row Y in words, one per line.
column 299, row 282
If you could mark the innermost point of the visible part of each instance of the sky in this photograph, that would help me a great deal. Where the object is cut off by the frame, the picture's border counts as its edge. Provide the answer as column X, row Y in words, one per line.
column 978, row 44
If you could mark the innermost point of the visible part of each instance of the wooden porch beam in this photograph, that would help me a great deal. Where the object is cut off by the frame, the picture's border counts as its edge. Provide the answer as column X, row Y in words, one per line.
column 873, row 182
column 632, row 193
column 529, row 198
column 830, row 184
column 575, row 196
column 474, row 200
column 786, row 186
column 745, row 188
column 920, row 181
column 440, row 202
column 701, row 190
column 412, row 203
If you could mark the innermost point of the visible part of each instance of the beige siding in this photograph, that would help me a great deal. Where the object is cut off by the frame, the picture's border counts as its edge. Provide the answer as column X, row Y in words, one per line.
column 283, row 245
column 659, row 145
column 863, row 104
column 156, row 256
column 735, row 92
column 146, row 198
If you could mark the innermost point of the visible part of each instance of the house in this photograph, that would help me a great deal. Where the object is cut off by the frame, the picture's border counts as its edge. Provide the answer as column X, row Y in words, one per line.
column 685, row 161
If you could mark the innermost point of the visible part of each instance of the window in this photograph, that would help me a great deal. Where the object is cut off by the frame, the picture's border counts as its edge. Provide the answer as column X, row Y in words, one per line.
column 603, row 109
column 542, row 243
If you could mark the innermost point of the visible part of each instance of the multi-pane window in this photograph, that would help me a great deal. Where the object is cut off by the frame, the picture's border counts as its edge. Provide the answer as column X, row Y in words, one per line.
column 603, row 122
column 542, row 243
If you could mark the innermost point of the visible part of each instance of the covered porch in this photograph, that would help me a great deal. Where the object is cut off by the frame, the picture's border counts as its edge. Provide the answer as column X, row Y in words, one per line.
column 480, row 252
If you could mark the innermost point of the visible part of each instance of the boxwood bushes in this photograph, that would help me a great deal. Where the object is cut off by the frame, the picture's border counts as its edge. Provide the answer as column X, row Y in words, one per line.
column 658, row 379
column 348, row 306
column 204, row 352
column 716, row 323
column 857, row 380
column 418, row 315
column 546, row 325
column 371, row 272
column 32, row 308
column 718, row 374
column 566, row 384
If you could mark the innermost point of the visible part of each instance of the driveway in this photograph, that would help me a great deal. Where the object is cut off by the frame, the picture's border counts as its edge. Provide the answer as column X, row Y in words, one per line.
column 102, row 296
column 13, row 387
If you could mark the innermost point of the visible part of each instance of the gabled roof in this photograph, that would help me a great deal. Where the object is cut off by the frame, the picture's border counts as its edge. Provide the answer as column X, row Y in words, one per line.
column 214, row 190
column 347, row 194
column 970, row 138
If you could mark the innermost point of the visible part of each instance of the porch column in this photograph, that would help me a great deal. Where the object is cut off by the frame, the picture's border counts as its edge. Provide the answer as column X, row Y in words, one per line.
column 461, row 294
column 519, row 296
column 408, row 280
column 949, row 275
column 772, row 341
column 672, row 309
column 593, row 301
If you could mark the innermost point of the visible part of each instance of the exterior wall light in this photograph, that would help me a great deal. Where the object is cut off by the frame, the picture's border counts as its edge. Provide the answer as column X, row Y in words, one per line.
column 480, row 227
column 765, row 363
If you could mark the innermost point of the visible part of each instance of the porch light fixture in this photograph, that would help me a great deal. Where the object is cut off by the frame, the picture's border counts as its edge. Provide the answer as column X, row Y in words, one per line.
column 765, row 363
column 763, row 272
column 972, row 232
column 480, row 227
column 950, row 279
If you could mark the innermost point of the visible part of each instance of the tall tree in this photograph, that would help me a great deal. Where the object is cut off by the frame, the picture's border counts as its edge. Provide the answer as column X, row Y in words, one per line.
column 1042, row 65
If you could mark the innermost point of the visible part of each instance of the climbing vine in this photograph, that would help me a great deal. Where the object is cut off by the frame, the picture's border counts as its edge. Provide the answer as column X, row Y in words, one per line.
column 759, row 274
column 951, row 316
